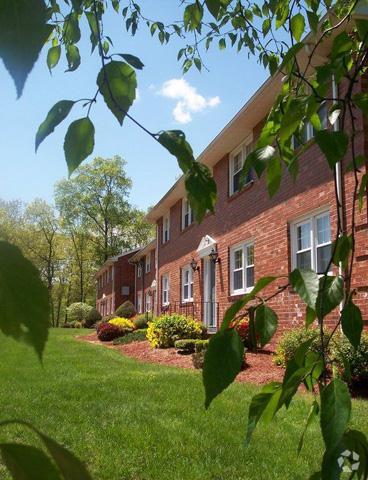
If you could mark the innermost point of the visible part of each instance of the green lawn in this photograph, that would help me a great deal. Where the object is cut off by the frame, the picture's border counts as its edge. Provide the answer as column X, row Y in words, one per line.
column 130, row 420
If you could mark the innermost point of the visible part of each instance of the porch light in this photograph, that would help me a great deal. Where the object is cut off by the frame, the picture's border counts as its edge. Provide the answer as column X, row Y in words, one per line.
column 214, row 256
column 194, row 265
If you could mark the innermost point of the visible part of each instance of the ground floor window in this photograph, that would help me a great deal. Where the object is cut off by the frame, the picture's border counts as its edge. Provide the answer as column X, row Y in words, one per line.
column 148, row 302
column 139, row 302
column 187, row 284
column 165, row 289
column 242, row 268
column 311, row 242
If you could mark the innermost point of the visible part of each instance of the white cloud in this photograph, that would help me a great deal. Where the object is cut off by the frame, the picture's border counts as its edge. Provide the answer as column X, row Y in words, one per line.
column 188, row 99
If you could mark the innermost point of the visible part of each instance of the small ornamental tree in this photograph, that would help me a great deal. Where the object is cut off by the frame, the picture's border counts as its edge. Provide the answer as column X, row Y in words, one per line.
column 272, row 31
column 78, row 312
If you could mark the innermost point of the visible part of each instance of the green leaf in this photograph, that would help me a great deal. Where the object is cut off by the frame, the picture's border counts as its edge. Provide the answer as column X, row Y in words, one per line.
column 292, row 119
column 193, row 14
column 174, row 141
column 91, row 17
column 352, row 323
column 23, row 33
column 342, row 250
column 117, row 83
column 310, row 316
column 53, row 56
column 266, row 322
column 55, row 116
column 79, row 142
column 342, row 44
column 330, row 294
column 223, row 360
column 290, row 54
column 239, row 304
column 132, row 60
column 333, row 145
column 335, row 412
column 313, row 413
column 306, row 284
column 25, row 462
column 73, row 57
column 71, row 30
column 222, row 44
column 297, row 25
column 24, row 304
column 274, row 175
column 201, row 190
column 362, row 190
column 213, row 7
column 313, row 20
column 264, row 403
column 361, row 101
column 258, row 159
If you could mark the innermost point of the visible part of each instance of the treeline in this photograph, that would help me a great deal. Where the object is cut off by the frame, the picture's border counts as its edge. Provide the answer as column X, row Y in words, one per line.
column 91, row 220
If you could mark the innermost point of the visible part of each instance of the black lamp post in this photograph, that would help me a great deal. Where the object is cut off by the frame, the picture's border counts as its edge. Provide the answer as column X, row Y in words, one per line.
column 214, row 256
column 194, row 265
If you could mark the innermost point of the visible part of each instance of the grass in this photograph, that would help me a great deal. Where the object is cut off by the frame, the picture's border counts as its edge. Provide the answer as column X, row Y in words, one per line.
column 129, row 420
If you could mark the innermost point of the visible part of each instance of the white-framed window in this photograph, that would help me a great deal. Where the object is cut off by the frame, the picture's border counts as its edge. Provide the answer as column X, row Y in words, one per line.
column 236, row 163
column 165, row 289
column 307, row 132
column 148, row 302
column 187, row 214
column 166, row 228
column 242, row 268
column 148, row 262
column 139, row 270
column 187, row 284
column 311, row 242
column 139, row 302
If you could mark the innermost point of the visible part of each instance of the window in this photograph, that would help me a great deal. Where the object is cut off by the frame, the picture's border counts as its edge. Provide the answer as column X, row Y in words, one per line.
column 312, row 243
column 307, row 131
column 166, row 228
column 148, row 302
column 242, row 268
column 237, row 159
column 187, row 214
column 139, row 302
column 165, row 289
column 139, row 270
column 148, row 262
column 187, row 284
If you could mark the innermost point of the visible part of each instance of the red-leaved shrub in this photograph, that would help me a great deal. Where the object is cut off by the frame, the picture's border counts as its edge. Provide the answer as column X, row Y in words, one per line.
column 107, row 332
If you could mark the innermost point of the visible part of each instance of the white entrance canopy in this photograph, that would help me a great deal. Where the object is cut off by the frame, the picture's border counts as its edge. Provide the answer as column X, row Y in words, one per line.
column 206, row 245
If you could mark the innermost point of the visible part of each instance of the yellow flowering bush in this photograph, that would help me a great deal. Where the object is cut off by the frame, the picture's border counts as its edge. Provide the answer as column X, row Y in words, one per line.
column 165, row 330
column 122, row 323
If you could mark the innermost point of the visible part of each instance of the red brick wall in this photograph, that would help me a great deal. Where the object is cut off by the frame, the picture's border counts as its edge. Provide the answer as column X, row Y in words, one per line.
column 143, row 284
column 251, row 214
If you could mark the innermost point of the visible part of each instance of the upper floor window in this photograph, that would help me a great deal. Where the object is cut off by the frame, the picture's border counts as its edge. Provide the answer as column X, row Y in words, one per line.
column 148, row 262
column 187, row 214
column 311, row 243
column 139, row 270
column 187, row 284
column 165, row 289
column 166, row 228
column 236, row 163
column 242, row 268
column 307, row 131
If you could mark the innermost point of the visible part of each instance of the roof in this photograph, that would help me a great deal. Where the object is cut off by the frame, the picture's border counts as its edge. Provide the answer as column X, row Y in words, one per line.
column 143, row 251
column 111, row 260
column 242, row 124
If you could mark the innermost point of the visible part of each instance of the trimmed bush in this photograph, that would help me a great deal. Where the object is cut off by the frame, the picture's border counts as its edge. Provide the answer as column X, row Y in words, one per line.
column 190, row 345
column 292, row 339
column 122, row 323
column 342, row 349
column 140, row 321
column 107, row 332
column 165, row 330
column 74, row 324
column 136, row 336
column 92, row 318
column 198, row 355
column 126, row 310
column 78, row 312
column 201, row 345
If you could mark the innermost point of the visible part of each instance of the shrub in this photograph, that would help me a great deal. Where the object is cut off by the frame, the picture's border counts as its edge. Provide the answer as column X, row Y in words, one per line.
column 92, row 318
column 74, row 324
column 242, row 327
column 122, row 323
column 136, row 336
column 126, row 310
column 201, row 345
column 342, row 349
column 190, row 345
column 141, row 321
column 107, row 332
column 78, row 312
column 292, row 339
column 164, row 331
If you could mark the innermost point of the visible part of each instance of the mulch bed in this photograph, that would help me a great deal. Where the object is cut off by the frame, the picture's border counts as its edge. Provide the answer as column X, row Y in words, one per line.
column 259, row 370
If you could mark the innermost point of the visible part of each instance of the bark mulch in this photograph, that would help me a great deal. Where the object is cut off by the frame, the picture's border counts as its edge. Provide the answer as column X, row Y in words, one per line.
column 259, row 370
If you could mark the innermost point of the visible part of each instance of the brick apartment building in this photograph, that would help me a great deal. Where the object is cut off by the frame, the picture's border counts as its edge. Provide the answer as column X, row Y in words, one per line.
column 200, row 269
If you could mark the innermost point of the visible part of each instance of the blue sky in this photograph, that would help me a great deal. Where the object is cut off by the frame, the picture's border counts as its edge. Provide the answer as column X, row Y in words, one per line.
column 209, row 98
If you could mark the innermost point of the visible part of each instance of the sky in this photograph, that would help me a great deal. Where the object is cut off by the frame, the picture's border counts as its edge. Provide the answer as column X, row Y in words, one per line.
column 200, row 104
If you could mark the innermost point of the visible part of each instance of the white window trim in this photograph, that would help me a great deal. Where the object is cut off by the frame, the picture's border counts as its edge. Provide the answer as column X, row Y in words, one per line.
column 309, row 134
column 139, row 302
column 164, row 229
column 184, row 203
column 311, row 217
column 139, row 270
column 148, row 262
column 185, row 269
column 243, row 148
column 240, row 246
column 167, row 290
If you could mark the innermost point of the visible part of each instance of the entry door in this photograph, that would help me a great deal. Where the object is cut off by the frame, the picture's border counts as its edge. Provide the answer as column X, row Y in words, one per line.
column 209, row 307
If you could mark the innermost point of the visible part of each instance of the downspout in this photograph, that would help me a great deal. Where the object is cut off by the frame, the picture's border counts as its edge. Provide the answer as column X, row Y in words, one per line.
column 156, row 272
column 113, row 288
